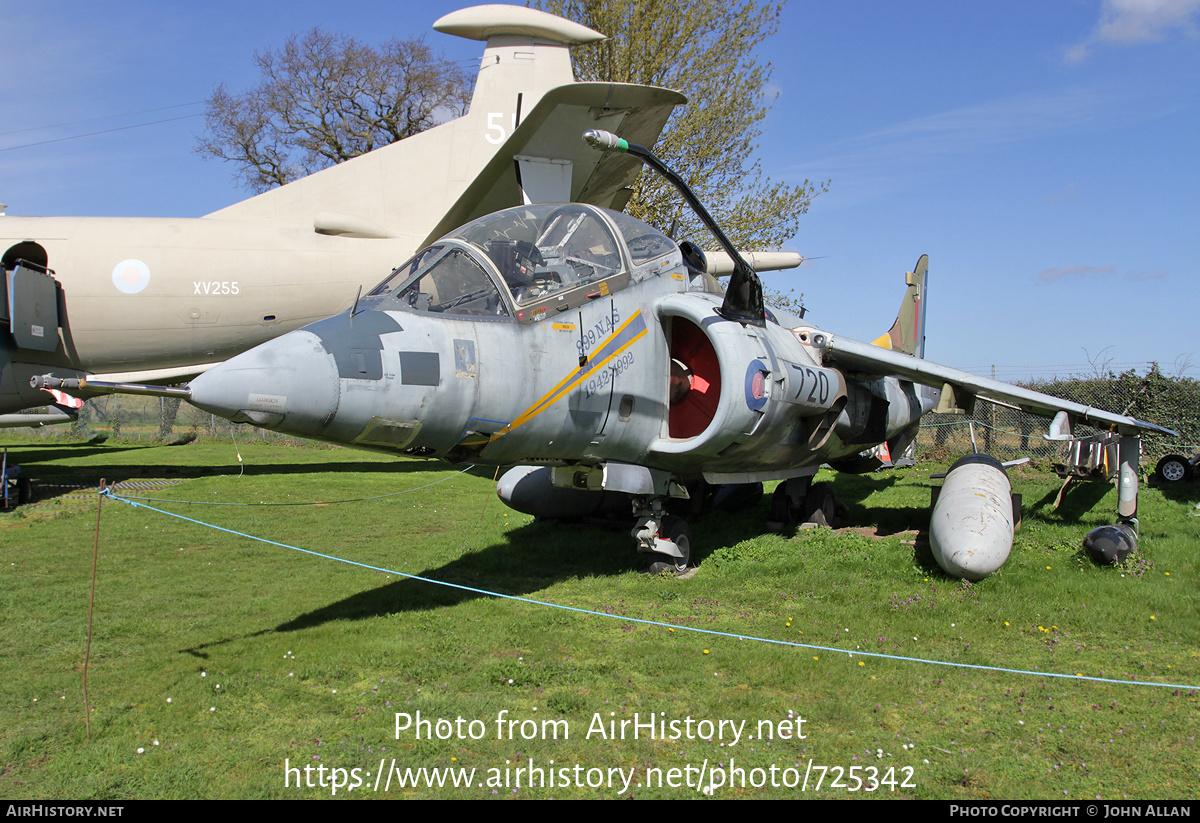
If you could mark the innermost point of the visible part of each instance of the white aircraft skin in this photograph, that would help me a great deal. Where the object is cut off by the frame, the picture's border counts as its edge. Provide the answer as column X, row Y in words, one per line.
column 163, row 299
column 577, row 339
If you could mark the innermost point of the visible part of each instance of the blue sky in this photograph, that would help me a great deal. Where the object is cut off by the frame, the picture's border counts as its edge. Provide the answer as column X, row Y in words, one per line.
column 1044, row 154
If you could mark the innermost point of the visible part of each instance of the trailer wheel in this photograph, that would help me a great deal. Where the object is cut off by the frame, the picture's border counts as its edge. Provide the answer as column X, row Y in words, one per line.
column 1173, row 468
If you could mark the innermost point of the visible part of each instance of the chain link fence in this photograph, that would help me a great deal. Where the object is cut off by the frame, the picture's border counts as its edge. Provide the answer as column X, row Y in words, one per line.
column 1170, row 402
column 162, row 419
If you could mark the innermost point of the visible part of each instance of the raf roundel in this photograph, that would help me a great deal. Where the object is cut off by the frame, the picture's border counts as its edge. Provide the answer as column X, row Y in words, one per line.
column 756, row 385
column 131, row 276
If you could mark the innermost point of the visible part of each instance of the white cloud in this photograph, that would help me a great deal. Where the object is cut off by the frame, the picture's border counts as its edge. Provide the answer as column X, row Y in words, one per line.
column 1130, row 22
column 1077, row 271
column 998, row 121
column 1142, row 21
column 1067, row 192
column 887, row 158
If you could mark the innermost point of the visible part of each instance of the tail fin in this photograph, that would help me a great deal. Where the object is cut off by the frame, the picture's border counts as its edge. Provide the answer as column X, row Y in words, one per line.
column 907, row 334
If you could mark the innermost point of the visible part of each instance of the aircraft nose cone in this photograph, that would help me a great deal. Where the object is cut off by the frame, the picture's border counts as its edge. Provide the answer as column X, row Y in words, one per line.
column 288, row 384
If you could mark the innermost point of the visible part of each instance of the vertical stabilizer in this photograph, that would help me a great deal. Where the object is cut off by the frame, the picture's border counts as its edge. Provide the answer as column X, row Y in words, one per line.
column 526, row 56
column 907, row 334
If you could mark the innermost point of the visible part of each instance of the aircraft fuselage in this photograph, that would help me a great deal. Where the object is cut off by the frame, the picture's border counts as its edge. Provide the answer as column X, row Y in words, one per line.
column 634, row 365
column 152, row 297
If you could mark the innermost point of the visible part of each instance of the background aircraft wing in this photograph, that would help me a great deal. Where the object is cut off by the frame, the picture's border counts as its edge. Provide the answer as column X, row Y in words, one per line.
column 966, row 387
column 545, row 160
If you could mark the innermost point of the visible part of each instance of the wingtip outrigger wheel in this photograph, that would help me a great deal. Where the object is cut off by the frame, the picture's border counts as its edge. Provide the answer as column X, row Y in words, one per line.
column 1109, row 545
column 744, row 296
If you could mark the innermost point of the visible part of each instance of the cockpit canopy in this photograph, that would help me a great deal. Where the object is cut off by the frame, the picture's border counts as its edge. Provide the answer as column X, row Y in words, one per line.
column 560, row 255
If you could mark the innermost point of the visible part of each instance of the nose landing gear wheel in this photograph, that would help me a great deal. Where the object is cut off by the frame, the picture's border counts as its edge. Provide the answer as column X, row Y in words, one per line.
column 677, row 531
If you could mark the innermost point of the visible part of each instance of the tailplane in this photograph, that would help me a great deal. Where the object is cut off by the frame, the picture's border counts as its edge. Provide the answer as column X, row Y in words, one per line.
column 907, row 334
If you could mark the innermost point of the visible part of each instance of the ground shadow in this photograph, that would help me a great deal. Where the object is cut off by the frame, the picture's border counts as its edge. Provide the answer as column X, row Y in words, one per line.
column 1080, row 498
column 1187, row 492
column 536, row 556
column 531, row 558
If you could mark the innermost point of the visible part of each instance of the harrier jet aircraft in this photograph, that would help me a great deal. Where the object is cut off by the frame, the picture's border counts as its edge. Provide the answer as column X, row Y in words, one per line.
column 160, row 300
column 599, row 357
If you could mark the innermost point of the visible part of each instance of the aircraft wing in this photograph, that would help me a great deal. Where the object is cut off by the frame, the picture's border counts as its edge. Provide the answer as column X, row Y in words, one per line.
column 545, row 160
column 965, row 387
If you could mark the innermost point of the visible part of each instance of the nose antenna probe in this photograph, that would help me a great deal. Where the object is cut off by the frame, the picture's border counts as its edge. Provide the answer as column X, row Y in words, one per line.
column 744, row 297
column 72, row 384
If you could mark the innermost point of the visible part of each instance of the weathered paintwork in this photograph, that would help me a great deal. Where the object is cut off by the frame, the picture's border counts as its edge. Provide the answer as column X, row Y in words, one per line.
column 579, row 341
column 971, row 528
column 503, row 383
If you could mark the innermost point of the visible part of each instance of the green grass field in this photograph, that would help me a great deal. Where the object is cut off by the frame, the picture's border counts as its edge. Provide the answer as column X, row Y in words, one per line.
column 223, row 667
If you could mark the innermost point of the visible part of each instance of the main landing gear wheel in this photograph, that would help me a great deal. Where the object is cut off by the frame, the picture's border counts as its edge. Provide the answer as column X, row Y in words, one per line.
column 677, row 531
column 819, row 505
column 1173, row 468
column 815, row 505
column 783, row 514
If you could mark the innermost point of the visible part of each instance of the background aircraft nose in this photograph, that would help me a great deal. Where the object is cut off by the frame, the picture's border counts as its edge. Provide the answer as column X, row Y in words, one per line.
column 288, row 384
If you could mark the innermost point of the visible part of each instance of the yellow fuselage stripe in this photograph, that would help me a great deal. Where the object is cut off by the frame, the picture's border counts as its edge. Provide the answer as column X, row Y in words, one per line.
column 602, row 358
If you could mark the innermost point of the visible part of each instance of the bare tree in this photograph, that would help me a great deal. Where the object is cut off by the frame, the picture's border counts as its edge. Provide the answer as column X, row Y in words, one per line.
column 1101, row 364
column 326, row 98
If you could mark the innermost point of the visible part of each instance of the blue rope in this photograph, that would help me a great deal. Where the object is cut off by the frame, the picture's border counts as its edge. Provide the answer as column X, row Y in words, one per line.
column 712, row 632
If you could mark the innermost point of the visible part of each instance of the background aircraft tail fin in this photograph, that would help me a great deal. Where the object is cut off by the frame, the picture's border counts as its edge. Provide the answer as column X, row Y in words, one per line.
column 907, row 334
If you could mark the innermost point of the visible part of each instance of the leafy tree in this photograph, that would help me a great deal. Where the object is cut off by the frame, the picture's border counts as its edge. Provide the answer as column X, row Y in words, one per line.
column 705, row 49
column 326, row 98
